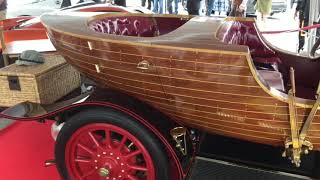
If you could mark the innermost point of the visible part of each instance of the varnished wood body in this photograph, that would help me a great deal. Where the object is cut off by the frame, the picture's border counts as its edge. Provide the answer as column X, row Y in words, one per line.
column 193, row 78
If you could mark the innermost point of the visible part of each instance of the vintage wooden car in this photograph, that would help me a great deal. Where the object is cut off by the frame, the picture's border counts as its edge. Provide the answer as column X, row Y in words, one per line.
column 159, row 76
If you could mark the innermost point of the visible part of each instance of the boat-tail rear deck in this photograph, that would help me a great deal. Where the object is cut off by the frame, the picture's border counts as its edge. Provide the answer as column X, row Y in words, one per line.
column 199, row 72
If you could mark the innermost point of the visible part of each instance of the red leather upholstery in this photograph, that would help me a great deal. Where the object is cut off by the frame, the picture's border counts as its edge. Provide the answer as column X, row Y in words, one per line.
column 137, row 25
column 244, row 33
column 273, row 79
column 128, row 26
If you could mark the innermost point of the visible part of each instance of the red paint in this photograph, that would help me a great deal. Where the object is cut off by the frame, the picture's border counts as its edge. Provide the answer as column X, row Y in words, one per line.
column 121, row 109
column 8, row 24
column 292, row 30
column 35, row 30
column 105, row 152
column 24, row 146
column 24, row 34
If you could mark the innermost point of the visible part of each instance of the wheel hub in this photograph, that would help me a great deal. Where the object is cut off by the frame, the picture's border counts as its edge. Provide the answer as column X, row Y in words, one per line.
column 104, row 172
column 112, row 164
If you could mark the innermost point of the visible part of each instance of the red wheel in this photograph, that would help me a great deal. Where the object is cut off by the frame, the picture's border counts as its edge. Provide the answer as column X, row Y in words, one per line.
column 95, row 151
column 99, row 144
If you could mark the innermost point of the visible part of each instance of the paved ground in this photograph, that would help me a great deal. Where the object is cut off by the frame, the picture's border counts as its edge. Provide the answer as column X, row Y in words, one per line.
column 281, row 21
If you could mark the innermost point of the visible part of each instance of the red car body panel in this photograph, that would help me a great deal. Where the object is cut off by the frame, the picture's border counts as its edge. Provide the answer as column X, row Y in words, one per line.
column 8, row 24
column 15, row 30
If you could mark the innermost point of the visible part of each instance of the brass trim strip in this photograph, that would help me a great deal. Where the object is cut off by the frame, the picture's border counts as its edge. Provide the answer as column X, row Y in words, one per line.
column 279, row 141
column 169, row 59
column 228, row 127
column 217, row 92
column 242, row 130
column 189, row 97
column 235, row 116
column 221, row 120
column 266, row 126
column 170, row 68
column 256, row 112
column 211, row 82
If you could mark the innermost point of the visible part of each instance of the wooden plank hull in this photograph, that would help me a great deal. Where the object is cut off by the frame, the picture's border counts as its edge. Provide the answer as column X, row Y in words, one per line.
column 212, row 90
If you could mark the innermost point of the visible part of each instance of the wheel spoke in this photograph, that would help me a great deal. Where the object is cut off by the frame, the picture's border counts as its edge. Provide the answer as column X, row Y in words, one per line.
column 94, row 139
column 85, row 148
column 123, row 141
column 88, row 173
column 132, row 154
column 130, row 145
column 108, row 138
column 138, row 168
column 130, row 177
column 82, row 160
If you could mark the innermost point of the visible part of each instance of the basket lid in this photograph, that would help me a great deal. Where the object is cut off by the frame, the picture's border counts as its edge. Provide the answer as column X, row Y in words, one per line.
column 52, row 60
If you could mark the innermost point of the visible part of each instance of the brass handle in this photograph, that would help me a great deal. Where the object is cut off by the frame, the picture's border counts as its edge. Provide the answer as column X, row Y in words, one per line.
column 293, row 83
column 143, row 65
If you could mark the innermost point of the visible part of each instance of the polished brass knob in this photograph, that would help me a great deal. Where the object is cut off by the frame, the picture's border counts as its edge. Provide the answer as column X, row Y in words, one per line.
column 104, row 172
column 143, row 65
column 178, row 132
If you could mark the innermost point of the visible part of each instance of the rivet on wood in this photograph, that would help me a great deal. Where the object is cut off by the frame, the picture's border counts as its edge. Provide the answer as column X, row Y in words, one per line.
column 90, row 45
column 97, row 68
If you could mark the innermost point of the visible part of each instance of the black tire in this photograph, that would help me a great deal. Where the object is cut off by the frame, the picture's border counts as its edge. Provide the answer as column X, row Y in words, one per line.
column 109, row 116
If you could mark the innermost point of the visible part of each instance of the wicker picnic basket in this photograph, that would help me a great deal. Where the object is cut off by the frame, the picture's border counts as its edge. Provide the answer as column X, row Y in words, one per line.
column 44, row 83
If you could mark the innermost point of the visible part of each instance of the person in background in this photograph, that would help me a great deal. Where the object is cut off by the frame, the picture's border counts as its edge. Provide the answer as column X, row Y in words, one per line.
column 263, row 7
column 120, row 3
column 302, row 9
column 184, row 4
column 68, row 3
column 169, row 6
column 143, row 3
column 193, row 7
column 238, row 8
column 3, row 9
column 158, row 6
column 318, row 10
column 291, row 3
column 209, row 7
column 221, row 6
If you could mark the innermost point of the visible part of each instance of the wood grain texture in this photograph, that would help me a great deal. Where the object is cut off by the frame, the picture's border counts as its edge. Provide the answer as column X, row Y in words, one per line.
column 200, row 82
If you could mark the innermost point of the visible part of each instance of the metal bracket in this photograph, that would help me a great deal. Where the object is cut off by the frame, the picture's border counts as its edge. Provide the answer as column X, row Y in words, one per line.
column 177, row 134
column 312, row 113
column 143, row 65
column 297, row 145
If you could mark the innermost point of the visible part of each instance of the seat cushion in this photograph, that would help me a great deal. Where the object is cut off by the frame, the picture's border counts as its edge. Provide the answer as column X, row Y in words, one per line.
column 126, row 26
column 273, row 79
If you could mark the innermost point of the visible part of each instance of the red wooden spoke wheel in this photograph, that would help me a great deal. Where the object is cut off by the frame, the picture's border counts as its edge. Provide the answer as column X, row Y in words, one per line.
column 106, row 144
column 108, row 152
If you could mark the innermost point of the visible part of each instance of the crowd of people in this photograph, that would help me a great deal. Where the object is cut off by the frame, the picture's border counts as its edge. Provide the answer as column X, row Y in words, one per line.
column 3, row 8
column 230, row 7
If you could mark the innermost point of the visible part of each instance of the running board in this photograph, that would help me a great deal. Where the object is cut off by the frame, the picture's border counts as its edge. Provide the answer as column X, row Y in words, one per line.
column 211, row 169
